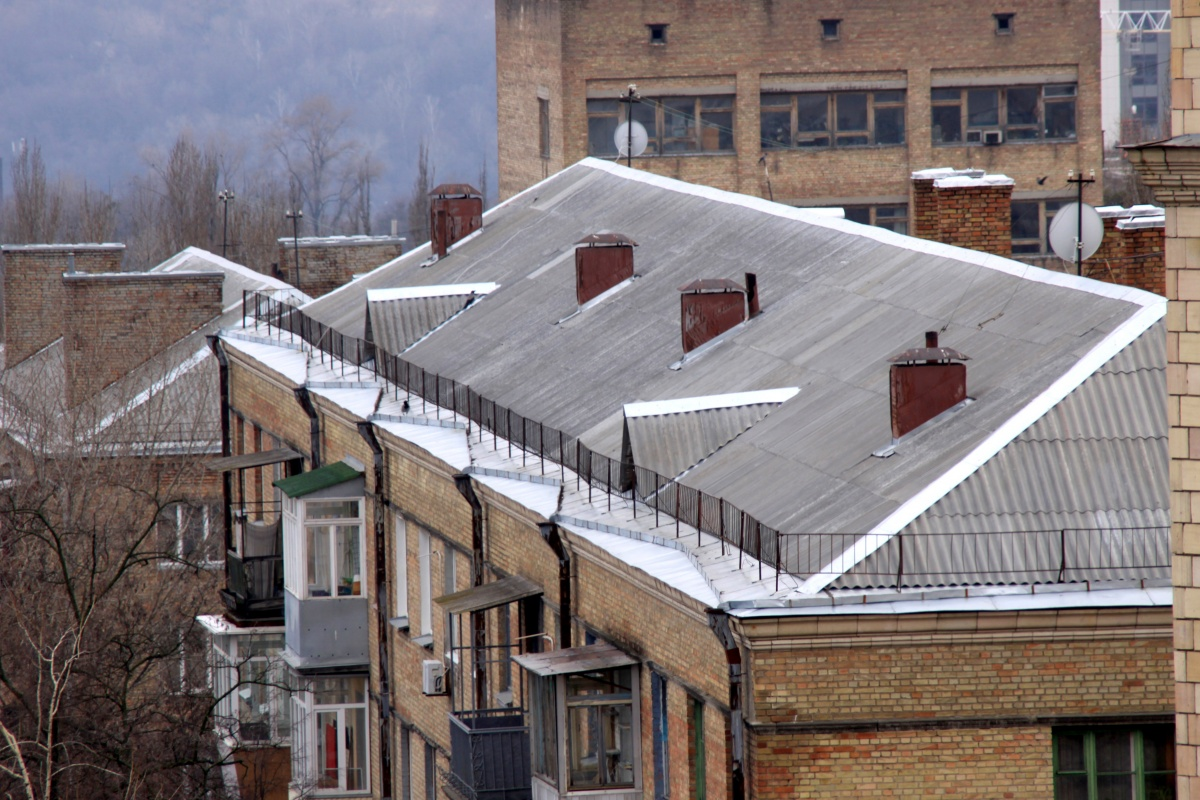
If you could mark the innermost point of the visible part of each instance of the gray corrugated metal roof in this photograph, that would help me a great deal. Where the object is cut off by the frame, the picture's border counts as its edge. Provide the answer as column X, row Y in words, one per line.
column 671, row 443
column 838, row 299
column 397, row 324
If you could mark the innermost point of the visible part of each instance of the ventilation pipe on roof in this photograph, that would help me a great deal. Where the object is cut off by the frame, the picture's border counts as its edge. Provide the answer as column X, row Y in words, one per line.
column 711, row 307
column 924, row 383
column 455, row 210
column 383, row 698
column 602, row 260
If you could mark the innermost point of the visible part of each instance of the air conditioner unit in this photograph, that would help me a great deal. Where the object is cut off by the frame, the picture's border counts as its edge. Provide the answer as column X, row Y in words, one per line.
column 993, row 137
column 433, row 677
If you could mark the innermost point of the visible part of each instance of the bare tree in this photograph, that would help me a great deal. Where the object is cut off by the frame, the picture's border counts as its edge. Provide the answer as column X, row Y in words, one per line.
column 37, row 206
column 320, row 158
column 418, row 203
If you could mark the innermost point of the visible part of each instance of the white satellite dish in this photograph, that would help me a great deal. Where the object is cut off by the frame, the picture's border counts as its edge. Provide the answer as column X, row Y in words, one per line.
column 1066, row 227
column 639, row 139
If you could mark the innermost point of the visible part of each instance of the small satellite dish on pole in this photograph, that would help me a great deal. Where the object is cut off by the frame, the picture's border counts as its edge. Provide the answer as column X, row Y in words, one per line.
column 627, row 140
column 1076, row 222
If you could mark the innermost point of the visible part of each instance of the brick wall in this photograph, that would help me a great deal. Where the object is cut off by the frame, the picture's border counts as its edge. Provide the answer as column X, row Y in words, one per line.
column 115, row 322
column 965, row 208
column 33, row 293
column 1131, row 252
column 529, row 42
column 331, row 261
column 746, row 43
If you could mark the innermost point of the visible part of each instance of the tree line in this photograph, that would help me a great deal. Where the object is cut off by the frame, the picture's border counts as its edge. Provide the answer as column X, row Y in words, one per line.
column 224, row 196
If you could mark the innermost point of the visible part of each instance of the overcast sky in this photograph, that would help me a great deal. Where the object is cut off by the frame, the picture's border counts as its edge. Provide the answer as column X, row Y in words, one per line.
column 102, row 85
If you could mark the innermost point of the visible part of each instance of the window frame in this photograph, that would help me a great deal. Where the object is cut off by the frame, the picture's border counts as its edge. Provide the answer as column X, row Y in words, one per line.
column 1047, row 207
column 544, row 126
column 400, row 579
column 1050, row 95
column 173, row 521
column 228, row 684
column 305, row 717
column 888, row 221
column 1091, row 770
column 655, row 113
column 831, row 30
column 834, row 137
column 296, row 536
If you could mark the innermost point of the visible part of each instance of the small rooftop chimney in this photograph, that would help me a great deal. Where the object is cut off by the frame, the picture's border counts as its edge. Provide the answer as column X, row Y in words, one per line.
column 602, row 260
column 455, row 210
column 709, row 307
column 924, row 383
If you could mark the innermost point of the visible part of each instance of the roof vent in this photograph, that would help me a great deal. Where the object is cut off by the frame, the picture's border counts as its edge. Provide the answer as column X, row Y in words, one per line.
column 602, row 260
column 710, row 307
column 455, row 210
column 924, row 383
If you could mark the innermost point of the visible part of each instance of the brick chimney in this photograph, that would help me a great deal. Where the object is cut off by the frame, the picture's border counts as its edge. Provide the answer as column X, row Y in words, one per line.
column 327, row 262
column 602, row 260
column 924, row 383
column 1131, row 253
column 455, row 210
column 710, row 307
column 966, row 208
column 115, row 322
column 33, row 293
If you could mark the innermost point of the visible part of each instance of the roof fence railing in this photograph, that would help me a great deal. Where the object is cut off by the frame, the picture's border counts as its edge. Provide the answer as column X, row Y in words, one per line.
column 904, row 561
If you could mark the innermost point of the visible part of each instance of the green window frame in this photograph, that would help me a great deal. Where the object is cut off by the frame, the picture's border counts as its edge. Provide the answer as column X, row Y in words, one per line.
column 1114, row 763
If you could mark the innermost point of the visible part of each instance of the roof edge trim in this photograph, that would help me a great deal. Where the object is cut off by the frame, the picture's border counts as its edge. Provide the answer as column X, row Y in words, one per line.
column 998, row 263
column 1098, row 356
column 440, row 290
column 654, row 408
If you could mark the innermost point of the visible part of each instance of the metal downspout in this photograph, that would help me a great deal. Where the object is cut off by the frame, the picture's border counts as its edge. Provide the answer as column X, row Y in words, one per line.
column 314, row 426
column 718, row 620
column 559, row 546
column 366, row 431
column 462, row 482
column 226, row 444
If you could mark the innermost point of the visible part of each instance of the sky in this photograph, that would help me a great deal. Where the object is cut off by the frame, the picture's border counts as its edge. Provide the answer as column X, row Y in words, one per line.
column 103, row 87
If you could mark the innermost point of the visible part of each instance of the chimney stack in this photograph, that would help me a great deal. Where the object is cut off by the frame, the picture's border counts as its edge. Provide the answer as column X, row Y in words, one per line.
column 455, row 210
column 33, row 290
column 963, row 207
column 710, row 307
column 924, row 383
column 602, row 260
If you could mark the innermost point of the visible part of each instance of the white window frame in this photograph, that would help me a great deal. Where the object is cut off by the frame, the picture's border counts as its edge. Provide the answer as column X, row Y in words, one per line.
column 400, row 581
column 176, row 513
column 305, row 711
column 228, row 689
column 295, row 541
column 425, row 568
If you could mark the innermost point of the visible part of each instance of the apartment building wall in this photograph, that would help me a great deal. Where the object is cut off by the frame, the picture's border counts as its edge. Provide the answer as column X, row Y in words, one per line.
column 746, row 47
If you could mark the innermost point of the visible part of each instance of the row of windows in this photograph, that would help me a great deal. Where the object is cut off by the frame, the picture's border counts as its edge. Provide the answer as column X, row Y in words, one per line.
column 705, row 124
column 1003, row 24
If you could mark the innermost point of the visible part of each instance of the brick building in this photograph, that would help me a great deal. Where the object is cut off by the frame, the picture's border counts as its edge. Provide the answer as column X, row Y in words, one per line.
column 814, row 105
column 327, row 262
column 635, row 531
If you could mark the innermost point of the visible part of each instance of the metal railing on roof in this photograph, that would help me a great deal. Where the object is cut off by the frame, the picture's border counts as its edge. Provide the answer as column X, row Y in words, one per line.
column 1011, row 557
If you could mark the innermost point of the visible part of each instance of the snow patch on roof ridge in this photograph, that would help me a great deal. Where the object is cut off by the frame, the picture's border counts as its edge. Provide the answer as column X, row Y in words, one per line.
column 999, row 263
column 440, row 290
column 733, row 400
column 968, row 181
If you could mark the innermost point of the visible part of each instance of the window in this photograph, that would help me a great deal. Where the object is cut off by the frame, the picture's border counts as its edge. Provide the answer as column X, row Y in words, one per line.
column 334, row 548
column 400, row 581
column 1114, row 763
column 329, row 753
column 544, row 127
column 658, row 34
column 832, row 119
column 1031, row 225
column 251, row 688
column 191, row 533
column 892, row 217
column 1144, row 69
column 696, row 751
column 831, row 29
column 1019, row 113
column 673, row 125
column 600, row 743
column 1004, row 24
column 430, row 772
column 426, row 587
column 658, row 722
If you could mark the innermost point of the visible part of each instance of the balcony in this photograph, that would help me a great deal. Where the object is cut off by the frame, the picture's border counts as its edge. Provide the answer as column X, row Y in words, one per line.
column 489, row 755
column 254, row 578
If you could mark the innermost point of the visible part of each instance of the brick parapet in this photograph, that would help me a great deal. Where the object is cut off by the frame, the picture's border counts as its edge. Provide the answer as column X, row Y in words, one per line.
column 33, row 293
column 329, row 262
column 115, row 322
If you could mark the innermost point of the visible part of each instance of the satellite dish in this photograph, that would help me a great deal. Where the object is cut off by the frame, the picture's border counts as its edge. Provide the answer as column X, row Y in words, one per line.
column 622, row 139
column 1065, row 227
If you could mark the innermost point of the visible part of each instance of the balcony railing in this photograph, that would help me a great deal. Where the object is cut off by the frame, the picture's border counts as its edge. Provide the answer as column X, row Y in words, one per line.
column 254, row 584
column 489, row 755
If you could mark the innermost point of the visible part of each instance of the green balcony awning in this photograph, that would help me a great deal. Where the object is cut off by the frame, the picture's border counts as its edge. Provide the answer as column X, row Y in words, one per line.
column 317, row 479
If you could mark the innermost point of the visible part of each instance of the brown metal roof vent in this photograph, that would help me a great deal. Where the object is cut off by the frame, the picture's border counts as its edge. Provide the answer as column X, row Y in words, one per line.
column 710, row 307
column 924, row 383
column 455, row 210
column 602, row 260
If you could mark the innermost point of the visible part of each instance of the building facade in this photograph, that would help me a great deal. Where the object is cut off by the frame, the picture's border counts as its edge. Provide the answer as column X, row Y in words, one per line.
column 621, row 532
column 827, row 105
